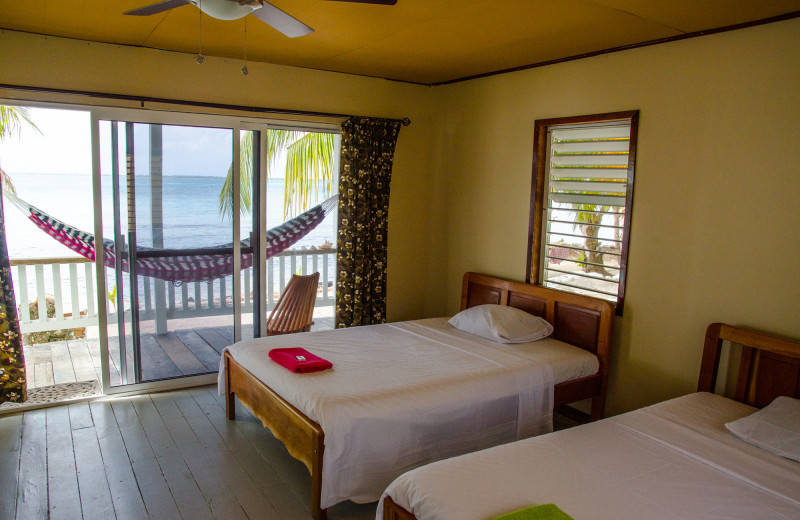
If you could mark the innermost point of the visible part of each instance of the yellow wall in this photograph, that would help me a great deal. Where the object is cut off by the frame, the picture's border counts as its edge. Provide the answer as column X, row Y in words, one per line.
column 716, row 224
column 715, row 220
column 32, row 60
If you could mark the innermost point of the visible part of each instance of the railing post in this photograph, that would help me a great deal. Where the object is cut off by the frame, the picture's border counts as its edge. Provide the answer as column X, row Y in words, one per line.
column 90, row 293
column 73, row 287
column 40, row 294
column 281, row 274
column 325, row 277
column 25, row 309
column 248, row 304
column 57, row 292
column 270, row 282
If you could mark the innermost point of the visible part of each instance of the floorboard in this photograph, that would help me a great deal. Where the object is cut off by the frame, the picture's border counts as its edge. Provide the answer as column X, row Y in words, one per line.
column 187, row 496
column 32, row 500
column 92, row 480
column 202, row 350
column 213, row 338
column 207, row 473
column 245, row 489
column 180, row 354
column 80, row 416
column 81, row 360
column 10, row 449
column 136, row 442
column 226, row 332
column 154, row 489
column 62, row 476
column 63, row 372
column 125, row 495
column 156, row 364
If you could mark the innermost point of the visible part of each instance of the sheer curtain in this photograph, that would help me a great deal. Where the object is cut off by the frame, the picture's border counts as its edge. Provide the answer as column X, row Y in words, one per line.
column 364, row 177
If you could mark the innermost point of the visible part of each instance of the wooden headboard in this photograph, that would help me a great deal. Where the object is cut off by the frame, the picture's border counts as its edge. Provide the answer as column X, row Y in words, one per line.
column 769, row 365
column 582, row 321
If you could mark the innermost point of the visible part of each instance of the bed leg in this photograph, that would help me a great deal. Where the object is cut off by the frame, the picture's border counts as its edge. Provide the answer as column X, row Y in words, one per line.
column 316, row 480
column 230, row 405
column 598, row 408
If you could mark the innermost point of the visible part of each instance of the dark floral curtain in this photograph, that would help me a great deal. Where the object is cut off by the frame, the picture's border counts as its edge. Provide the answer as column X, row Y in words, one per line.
column 12, row 362
column 365, row 173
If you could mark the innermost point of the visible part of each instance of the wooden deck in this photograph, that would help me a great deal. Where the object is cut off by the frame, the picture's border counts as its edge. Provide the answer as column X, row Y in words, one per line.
column 183, row 352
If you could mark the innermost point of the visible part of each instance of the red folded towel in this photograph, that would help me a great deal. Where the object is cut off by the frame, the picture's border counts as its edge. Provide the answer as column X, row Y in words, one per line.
column 299, row 360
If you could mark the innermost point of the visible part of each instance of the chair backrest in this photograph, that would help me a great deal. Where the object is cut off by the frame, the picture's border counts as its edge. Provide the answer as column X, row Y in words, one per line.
column 295, row 306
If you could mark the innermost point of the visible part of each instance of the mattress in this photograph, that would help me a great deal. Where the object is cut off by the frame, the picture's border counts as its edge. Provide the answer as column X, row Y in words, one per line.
column 405, row 394
column 671, row 460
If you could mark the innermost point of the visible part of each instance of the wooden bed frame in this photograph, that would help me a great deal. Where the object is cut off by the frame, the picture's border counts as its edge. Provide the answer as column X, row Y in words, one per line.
column 579, row 320
column 769, row 368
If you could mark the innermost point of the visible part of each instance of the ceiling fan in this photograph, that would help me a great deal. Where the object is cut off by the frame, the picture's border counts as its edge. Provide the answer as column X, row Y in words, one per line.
column 235, row 9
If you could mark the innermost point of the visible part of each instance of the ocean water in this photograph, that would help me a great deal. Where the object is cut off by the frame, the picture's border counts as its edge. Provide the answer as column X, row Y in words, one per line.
column 190, row 214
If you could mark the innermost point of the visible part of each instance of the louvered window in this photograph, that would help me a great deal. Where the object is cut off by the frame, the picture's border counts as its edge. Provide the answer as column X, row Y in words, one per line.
column 583, row 220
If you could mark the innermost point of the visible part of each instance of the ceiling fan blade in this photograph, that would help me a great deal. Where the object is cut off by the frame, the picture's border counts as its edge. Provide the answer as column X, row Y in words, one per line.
column 157, row 8
column 380, row 2
column 281, row 21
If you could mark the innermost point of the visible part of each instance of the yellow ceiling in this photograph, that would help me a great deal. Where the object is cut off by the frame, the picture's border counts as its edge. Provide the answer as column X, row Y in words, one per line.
column 421, row 41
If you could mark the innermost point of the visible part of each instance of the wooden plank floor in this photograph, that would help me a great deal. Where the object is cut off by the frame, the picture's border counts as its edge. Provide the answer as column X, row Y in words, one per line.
column 174, row 354
column 167, row 455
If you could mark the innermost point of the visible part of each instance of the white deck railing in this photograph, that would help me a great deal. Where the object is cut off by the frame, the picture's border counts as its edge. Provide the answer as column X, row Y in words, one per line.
column 71, row 282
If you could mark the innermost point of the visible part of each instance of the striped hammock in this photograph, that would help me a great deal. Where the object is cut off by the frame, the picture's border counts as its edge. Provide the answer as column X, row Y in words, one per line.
column 173, row 266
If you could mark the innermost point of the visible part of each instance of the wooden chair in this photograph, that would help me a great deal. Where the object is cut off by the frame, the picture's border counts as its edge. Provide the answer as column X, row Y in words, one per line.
column 295, row 306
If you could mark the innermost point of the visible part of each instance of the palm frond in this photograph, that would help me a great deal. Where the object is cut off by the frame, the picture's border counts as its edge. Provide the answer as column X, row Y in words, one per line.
column 245, row 180
column 12, row 119
column 309, row 167
column 6, row 181
column 11, row 123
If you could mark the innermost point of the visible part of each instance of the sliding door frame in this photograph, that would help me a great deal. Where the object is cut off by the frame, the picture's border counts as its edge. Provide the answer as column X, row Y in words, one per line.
column 236, row 124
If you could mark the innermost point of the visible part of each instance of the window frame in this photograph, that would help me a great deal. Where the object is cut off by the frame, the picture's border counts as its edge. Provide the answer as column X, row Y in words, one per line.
column 538, row 182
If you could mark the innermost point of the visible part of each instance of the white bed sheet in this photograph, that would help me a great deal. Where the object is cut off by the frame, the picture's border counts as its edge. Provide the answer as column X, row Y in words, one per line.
column 668, row 461
column 405, row 394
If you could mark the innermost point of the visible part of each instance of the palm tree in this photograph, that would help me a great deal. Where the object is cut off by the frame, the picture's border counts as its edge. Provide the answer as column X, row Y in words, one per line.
column 309, row 166
column 589, row 219
column 11, row 120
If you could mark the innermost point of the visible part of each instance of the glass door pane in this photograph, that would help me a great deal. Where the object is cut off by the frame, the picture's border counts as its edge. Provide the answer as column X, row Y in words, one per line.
column 169, row 249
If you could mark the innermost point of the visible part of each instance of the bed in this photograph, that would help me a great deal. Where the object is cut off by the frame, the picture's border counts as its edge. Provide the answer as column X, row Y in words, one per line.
column 675, row 459
column 405, row 394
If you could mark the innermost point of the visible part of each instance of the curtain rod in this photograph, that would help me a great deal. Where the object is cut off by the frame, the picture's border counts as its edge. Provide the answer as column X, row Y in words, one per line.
column 224, row 106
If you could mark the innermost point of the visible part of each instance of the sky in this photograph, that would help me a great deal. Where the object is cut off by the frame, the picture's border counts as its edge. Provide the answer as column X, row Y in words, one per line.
column 64, row 147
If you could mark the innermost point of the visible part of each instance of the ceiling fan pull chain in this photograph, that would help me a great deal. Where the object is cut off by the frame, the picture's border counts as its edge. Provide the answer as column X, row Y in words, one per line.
column 200, row 58
column 244, row 69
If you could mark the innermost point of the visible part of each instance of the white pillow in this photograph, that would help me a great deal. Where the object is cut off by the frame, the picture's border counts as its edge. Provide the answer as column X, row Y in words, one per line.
column 501, row 324
column 775, row 428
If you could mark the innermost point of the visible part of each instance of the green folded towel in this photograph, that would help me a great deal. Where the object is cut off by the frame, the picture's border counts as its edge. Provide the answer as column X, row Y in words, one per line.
column 541, row 512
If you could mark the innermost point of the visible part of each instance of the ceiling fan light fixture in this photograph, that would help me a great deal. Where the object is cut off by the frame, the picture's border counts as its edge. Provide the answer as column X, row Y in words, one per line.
column 226, row 9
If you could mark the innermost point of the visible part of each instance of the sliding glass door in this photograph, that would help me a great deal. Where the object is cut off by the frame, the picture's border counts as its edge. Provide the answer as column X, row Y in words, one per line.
column 177, row 255
column 203, row 219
